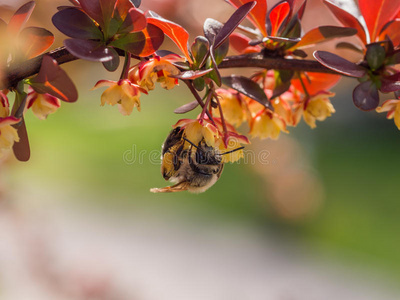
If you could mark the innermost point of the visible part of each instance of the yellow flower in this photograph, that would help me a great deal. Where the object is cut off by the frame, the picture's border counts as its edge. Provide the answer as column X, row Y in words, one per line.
column 392, row 107
column 157, row 69
column 123, row 92
column 232, row 107
column 267, row 124
column 197, row 130
column 42, row 104
column 318, row 107
column 8, row 134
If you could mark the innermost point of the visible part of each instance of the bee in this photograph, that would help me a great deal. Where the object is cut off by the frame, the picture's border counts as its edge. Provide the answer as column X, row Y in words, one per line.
column 193, row 168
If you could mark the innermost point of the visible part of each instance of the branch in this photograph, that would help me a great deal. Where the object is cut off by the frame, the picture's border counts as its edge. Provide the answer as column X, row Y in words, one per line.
column 277, row 63
column 61, row 55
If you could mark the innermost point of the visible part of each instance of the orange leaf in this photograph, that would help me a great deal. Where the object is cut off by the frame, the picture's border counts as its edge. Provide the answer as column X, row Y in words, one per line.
column 258, row 14
column 21, row 16
column 277, row 16
column 34, row 41
column 316, row 82
column 377, row 13
column 175, row 32
column 348, row 20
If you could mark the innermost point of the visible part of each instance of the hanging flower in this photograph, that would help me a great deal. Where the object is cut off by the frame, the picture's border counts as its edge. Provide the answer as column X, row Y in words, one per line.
column 317, row 107
column 157, row 69
column 42, row 104
column 230, row 141
column 8, row 134
column 267, row 124
column 198, row 130
column 122, row 92
column 233, row 107
column 392, row 107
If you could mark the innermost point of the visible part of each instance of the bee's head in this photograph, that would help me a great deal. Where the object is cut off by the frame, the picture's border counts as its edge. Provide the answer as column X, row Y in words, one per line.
column 206, row 155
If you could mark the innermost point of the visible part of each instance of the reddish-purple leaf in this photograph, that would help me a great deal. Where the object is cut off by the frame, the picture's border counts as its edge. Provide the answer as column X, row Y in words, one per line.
column 135, row 21
column 283, row 39
column 88, row 49
column 112, row 64
column 191, row 74
column 174, row 31
column 53, row 80
column 390, row 83
column 233, row 22
column 20, row 17
column 257, row 16
column 277, row 15
column 377, row 13
column 366, row 96
column 21, row 148
column 186, row 108
column 93, row 9
column 348, row 20
column 76, row 24
column 349, row 46
column 248, row 88
column 339, row 64
column 324, row 33
column 34, row 41
column 107, row 10
column 136, row 2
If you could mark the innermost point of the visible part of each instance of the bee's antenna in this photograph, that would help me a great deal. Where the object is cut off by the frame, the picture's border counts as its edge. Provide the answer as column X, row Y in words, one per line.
column 234, row 150
column 190, row 142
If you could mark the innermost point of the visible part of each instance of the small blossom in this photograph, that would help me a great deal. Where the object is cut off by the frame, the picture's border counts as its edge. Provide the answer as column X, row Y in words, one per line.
column 157, row 69
column 267, row 124
column 232, row 105
column 392, row 107
column 122, row 92
column 42, row 104
column 230, row 141
column 8, row 134
column 197, row 130
column 318, row 107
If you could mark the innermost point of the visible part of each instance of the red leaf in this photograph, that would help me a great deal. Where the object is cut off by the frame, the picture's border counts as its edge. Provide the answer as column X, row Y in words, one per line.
column 377, row 13
column 53, row 80
column 258, row 14
column 240, row 43
column 175, row 32
column 21, row 16
column 315, row 82
column 34, row 41
column 278, row 15
column 348, row 20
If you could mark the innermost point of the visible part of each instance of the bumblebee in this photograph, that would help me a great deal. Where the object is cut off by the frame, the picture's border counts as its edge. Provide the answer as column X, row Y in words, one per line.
column 193, row 168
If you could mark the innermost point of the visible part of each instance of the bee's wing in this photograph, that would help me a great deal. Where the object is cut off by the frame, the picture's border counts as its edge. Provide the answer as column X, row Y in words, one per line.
column 179, row 187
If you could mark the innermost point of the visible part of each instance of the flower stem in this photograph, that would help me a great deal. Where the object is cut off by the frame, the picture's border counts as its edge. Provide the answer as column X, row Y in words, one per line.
column 127, row 64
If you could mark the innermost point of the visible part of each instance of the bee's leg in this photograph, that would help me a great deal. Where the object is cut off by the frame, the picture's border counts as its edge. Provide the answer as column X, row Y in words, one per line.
column 179, row 187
